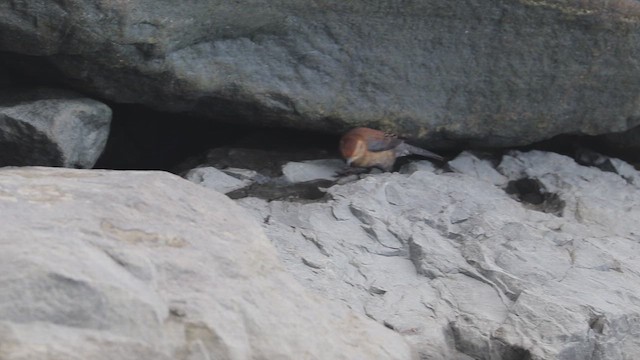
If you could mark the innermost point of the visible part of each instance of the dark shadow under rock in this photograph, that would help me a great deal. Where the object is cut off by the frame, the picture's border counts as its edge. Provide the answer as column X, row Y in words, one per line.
column 531, row 192
column 310, row 191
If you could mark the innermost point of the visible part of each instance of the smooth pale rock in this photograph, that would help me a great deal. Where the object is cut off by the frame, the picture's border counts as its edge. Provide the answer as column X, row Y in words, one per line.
column 302, row 171
column 467, row 163
column 420, row 165
column 488, row 73
column 146, row 265
column 215, row 179
column 51, row 127
column 473, row 272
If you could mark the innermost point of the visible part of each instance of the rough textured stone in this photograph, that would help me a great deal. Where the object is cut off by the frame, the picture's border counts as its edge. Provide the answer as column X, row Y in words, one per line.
column 145, row 265
column 492, row 73
column 469, row 164
column 312, row 170
column 465, row 270
column 51, row 127
column 215, row 179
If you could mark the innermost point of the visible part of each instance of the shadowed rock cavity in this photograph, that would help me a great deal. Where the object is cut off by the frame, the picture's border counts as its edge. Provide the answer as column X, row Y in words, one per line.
column 142, row 138
column 530, row 192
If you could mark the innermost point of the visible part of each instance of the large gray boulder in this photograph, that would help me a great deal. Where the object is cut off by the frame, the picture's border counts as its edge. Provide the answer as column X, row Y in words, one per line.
column 51, row 127
column 534, row 258
column 145, row 265
column 492, row 73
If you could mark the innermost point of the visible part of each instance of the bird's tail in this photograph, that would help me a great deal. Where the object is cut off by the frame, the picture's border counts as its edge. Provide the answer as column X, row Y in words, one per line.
column 405, row 149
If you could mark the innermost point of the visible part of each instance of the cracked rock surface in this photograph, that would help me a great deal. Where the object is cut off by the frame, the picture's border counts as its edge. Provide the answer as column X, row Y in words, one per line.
column 532, row 258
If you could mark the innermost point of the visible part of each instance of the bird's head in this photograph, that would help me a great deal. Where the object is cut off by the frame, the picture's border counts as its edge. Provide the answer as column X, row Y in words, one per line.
column 352, row 148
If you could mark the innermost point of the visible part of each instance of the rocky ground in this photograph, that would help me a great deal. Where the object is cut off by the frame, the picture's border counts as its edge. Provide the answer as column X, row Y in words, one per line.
column 527, row 257
column 512, row 249
column 145, row 265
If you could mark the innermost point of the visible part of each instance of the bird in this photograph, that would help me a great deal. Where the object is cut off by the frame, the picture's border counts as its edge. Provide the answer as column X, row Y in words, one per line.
column 369, row 148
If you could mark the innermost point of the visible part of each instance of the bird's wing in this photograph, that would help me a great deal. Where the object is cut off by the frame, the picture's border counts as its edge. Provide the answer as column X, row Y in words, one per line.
column 382, row 141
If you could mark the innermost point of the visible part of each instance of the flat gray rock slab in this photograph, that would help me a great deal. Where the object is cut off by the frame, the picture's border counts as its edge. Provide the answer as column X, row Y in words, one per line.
column 302, row 171
column 215, row 179
column 467, row 163
column 145, row 265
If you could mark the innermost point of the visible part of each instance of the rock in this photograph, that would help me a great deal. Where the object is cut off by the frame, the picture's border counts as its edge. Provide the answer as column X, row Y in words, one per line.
column 627, row 171
column 420, row 165
column 215, row 179
column 467, row 163
column 464, row 270
column 270, row 174
column 243, row 174
column 145, row 265
column 51, row 127
column 326, row 169
column 487, row 73
column 266, row 163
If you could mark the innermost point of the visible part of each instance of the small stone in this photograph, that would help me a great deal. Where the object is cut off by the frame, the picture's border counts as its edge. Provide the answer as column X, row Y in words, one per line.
column 326, row 169
column 420, row 165
column 51, row 127
column 469, row 164
column 215, row 179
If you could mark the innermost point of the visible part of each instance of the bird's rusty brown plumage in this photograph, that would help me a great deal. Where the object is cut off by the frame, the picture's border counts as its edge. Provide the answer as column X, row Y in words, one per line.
column 367, row 148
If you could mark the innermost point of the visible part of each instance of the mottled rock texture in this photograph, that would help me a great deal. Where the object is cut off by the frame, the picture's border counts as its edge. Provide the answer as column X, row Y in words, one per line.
column 51, row 127
column 145, row 265
column 490, row 73
column 529, row 257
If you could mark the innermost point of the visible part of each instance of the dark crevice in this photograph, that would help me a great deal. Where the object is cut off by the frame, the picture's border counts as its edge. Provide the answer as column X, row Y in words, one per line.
column 310, row 191
column 24, row 145
column 24, row 71
column 145, row 139
column 509, row 351
column 532, row 193
column 597, row 323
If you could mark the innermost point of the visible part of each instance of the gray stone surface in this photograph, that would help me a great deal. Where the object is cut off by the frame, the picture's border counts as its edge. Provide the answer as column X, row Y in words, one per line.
column 490, row 73
column 215, row 179
column 145, row 265
column 51, row 127
column 301, row 171
column 469, row 164
column 466, row 271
